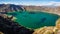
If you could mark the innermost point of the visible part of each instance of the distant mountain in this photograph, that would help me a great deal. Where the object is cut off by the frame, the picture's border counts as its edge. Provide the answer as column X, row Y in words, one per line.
column 11, row 8
column 49, row 9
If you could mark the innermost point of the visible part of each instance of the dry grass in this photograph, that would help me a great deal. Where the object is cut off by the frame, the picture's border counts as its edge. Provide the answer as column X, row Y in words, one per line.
column 50, row 29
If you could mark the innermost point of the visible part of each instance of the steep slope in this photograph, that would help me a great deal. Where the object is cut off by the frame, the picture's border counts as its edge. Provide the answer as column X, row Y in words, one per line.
column 10, row 8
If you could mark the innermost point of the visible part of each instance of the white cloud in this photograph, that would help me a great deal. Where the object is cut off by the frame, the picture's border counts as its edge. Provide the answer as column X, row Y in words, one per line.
column 51, row 3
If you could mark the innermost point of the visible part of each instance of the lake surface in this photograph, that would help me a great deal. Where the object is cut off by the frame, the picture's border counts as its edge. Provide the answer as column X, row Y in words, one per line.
column 34, row 19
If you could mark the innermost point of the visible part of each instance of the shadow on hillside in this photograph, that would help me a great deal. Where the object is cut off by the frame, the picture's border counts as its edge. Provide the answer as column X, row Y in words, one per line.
column 10, row 27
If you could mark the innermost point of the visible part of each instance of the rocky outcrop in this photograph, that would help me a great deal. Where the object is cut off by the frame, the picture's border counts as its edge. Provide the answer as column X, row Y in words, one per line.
column 49, row 29
column 10, row 27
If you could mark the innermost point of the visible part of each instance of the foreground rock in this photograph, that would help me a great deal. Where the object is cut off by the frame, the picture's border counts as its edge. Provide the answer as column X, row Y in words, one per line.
column 10, row 27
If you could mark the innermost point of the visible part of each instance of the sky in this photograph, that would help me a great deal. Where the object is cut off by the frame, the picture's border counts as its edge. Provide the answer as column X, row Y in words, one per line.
column 32, row 2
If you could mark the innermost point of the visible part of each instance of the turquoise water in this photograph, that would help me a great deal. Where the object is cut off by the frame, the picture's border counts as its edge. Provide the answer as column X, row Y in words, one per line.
column 35, row 20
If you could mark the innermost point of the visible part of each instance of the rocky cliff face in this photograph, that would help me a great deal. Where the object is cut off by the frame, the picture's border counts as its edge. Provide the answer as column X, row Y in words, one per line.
column 10, row 8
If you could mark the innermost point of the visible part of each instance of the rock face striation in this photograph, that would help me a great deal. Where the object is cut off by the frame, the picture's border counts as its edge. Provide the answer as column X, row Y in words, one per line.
column 10, row 8
column 10, row 27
